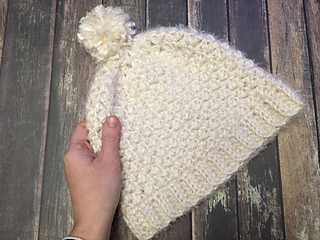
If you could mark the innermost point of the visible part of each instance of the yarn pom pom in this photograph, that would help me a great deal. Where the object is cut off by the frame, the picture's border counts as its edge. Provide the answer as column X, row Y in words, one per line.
column 104, row 31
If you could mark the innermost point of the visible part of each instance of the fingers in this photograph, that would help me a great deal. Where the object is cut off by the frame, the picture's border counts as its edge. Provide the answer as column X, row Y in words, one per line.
column 110, row 138
column 80, row 134
column 80, row 137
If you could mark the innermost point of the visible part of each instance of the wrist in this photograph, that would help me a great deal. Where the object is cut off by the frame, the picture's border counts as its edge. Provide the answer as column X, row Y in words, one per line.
column 91, row 230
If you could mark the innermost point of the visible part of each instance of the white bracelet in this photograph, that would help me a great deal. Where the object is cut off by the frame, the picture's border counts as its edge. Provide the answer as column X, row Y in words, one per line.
column 72, row 238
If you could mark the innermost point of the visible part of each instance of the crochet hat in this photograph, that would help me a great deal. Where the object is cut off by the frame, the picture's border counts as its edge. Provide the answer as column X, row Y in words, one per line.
column 193, row 111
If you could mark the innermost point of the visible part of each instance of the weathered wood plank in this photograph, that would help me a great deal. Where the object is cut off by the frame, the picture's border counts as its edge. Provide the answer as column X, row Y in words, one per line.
column 312, row 9
column 3, row 20
column 170, row 13
column 298, row 144
column 216, row 218
column 212, row 217
column 249, row 29
column 137, row 12
column 24, row 94
column 259, row 189
column 73, row 69
column 210, row 16
column 166, row 13
column 259, row 197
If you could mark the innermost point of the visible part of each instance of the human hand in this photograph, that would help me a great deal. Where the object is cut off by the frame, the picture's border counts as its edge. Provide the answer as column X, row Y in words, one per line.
column 94, row 180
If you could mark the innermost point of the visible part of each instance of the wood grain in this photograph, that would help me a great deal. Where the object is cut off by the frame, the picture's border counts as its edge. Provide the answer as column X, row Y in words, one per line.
column 215, row 218
column 166, row 13
column 73, row 69
column 259, row 197
column 259, row 193
column 24, row 94
column 209, row 16
column 249, row 29
column 298, row 144
column 312, row 11
column 3, row 20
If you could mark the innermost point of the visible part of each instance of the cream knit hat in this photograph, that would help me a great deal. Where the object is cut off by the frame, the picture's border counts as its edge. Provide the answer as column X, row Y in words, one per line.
column 193, row 111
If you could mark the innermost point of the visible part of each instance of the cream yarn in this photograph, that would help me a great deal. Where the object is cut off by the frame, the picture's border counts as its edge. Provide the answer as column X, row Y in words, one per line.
column 193, row 111
column 105, row 31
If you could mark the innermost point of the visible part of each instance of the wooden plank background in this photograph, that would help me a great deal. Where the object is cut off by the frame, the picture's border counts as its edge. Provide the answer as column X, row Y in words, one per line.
column 44, row 80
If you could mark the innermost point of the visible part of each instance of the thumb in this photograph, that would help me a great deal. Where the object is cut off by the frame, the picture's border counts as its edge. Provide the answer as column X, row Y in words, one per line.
column 110, row 138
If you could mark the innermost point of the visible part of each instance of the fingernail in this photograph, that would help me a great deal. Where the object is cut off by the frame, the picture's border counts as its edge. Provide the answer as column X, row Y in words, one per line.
column 112, row 122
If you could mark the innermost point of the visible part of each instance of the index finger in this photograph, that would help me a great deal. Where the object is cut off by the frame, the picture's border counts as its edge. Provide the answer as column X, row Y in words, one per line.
column 80, row 133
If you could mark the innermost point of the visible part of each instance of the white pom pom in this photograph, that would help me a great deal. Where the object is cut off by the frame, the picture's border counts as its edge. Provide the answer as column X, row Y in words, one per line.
column 104, row 31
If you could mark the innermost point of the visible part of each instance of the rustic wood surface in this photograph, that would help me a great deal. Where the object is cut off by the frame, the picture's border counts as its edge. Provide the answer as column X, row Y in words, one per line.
column 3, row 20
column 298, row 145
column 24, row 91
column 44, row 80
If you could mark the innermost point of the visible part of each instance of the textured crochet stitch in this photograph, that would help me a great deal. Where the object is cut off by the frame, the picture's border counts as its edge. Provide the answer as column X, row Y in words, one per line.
column 193, row 111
